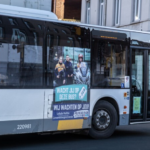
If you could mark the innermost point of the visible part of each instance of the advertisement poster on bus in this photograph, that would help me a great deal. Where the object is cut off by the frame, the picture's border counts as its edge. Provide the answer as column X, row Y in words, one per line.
column 71, row 83
column 136, row 105
column 70, row 111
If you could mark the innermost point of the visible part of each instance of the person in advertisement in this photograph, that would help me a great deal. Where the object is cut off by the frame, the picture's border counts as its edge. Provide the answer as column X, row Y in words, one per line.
column 82, row 74
column 80, row 59
column 60, row 72
column 69, row 71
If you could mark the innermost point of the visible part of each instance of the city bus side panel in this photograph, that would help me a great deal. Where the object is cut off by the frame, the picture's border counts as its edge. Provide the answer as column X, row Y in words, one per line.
column 110, row 80
column 116, row 95
column 21, row 75
column 21, row 111
column 63, row 108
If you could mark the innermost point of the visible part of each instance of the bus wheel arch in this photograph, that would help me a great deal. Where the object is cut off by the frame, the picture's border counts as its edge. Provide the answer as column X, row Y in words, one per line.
column 112, row 101
column 104, row 118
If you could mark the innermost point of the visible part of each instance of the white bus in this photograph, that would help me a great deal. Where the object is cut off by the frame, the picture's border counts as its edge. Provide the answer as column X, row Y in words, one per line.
column 68, row 77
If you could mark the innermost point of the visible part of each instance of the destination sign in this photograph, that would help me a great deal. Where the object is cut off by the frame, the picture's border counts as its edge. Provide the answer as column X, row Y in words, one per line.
column 109, row 35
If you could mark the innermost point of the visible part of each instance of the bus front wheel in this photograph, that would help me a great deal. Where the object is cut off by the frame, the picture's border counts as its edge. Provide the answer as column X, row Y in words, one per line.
column 104, row 120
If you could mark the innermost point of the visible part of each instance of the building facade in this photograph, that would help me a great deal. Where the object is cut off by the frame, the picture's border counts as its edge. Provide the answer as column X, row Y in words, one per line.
column 64, row 9
column 67, row 9
column 35, row 4
column 128, row 14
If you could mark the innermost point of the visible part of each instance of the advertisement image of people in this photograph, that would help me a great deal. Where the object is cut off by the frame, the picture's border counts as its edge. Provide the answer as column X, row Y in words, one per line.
column 60, row 72
column 71, row 83
column 69, row 70
column 72, row 66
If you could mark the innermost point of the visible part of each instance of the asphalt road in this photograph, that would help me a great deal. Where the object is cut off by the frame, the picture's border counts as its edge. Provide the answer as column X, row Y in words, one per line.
column 135, row 137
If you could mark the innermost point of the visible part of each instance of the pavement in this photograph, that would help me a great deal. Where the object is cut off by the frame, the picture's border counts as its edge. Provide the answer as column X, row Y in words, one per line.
column 134, row 137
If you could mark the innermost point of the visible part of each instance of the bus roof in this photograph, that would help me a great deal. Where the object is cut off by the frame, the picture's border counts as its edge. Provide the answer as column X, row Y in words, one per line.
column 43, row 15
column 26, row 12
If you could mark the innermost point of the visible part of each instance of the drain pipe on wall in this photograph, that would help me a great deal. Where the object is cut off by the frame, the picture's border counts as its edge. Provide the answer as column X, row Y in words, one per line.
column 55, row 1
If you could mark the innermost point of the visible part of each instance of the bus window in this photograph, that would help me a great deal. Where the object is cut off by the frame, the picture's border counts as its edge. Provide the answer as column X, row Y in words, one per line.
column 40, row 27
column 13, row 21
column 29, row 25
column 21, row 58
column 35, row 38
column 32, row 73
column 23, row 38
column 67, row 50
column 55, row 30
column 50, row 62
column 63, row 31
column 58, row 40
column 18, row 36
column 1, row 33
column 108, row 63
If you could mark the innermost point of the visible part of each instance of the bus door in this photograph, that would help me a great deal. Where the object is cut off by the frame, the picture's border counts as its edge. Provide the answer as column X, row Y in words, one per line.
column 140, row 81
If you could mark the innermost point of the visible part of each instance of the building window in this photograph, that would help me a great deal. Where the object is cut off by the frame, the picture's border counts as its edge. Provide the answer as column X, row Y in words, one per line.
column 137, row 4
column 101, row 19
column 88, row 12
column 117, row 12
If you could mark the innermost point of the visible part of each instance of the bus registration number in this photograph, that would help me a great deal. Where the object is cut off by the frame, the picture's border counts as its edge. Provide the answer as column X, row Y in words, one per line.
column 23, row 126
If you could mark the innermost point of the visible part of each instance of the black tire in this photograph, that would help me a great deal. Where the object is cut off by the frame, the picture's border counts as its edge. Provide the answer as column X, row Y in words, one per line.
column 96, row 132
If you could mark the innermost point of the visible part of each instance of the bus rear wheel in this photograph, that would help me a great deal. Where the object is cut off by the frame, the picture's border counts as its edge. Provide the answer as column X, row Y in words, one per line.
column 104, row 120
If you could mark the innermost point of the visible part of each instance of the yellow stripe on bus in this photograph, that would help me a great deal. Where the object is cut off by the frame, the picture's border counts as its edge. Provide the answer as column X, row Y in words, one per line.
column 70, row 124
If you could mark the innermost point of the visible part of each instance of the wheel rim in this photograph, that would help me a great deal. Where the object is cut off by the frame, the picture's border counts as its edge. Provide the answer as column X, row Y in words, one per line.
column 101, row 120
